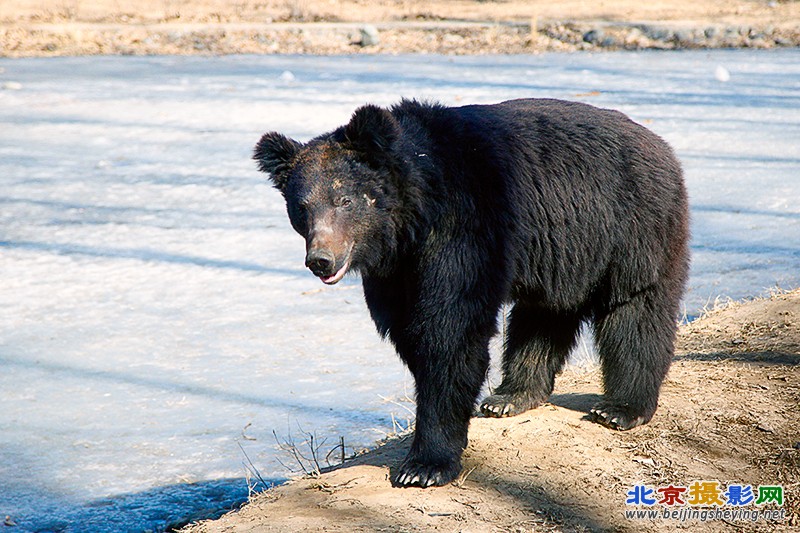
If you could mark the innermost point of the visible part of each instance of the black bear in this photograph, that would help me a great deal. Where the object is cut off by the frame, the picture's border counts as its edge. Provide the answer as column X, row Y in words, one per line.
column 571, row 212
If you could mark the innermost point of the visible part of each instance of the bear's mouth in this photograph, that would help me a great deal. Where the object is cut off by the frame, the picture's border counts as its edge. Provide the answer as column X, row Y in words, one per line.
column 337, row 277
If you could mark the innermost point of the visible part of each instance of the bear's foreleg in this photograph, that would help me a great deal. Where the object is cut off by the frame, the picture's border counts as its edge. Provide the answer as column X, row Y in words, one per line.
column 444, row 339
column 447, row 382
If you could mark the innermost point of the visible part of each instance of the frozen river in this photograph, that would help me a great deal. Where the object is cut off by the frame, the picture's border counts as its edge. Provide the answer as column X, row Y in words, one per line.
column 156, row 320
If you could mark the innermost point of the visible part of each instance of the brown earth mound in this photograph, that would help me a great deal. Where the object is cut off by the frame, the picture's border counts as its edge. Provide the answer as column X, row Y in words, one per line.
column 729, row 412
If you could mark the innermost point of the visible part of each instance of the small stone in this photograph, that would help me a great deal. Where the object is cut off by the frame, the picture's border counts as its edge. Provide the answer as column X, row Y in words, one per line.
column 647, row 461
column 658, row 34
column 681, row 35
column 608, row 42
column 635, row 39
column 453, row 38
column 593, row 36
column 369, row 35
column 11, row 86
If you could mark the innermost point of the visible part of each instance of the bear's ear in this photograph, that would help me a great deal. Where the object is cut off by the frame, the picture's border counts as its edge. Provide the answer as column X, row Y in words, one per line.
column 273, row 153
column 372, row 131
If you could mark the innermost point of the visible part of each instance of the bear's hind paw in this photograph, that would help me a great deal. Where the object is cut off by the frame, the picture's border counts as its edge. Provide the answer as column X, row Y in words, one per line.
column 503, row 405
column 615, row 416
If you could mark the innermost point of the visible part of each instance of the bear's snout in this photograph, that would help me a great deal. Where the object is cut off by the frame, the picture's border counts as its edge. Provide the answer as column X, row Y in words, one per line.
column 326, row 265
column 321, row 262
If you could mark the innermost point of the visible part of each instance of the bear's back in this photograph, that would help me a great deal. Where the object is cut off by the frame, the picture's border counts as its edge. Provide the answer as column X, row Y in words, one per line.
column 577, row 193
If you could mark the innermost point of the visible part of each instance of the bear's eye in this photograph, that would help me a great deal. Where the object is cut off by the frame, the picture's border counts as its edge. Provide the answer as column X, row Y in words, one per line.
column 344, row 201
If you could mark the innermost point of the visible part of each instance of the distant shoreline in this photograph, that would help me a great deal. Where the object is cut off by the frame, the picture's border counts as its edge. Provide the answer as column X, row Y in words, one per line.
column 452, row 37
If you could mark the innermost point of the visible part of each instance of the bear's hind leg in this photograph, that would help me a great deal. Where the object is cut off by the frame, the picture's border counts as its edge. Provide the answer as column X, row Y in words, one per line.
column 537, row 345
column 635, row 342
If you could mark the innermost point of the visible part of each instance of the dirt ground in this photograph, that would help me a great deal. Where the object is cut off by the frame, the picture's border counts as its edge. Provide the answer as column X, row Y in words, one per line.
column 83, row 27
column 729, row 412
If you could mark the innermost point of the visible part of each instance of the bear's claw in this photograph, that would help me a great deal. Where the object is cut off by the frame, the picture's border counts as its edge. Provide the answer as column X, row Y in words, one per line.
column 503, row 405
column 615, row 416
column 417, row 474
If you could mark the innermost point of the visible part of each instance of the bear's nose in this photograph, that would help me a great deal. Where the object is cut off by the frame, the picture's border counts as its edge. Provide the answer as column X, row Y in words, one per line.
column 320, row 262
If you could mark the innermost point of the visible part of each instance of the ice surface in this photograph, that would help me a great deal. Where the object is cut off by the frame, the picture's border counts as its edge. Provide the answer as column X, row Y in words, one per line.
column 155, row 313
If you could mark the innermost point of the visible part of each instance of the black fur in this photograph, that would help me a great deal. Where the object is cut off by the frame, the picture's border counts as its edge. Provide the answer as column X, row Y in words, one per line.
column 571, row 212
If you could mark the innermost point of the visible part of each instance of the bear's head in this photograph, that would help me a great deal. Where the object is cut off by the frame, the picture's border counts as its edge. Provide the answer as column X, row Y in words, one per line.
column 340, row 190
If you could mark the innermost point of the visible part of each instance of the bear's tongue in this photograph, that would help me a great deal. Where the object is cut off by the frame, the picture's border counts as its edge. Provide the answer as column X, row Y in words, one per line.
column 330, row 280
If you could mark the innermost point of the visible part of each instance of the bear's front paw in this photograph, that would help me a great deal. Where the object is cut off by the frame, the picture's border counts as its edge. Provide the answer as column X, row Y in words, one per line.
column 416, row 473
column 500, row 405
column 617, row 416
